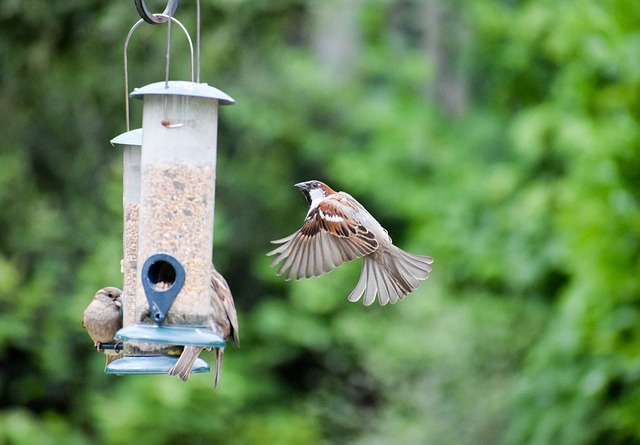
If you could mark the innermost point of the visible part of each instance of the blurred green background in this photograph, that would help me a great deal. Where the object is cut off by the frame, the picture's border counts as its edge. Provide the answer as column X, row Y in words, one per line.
column 501, row 137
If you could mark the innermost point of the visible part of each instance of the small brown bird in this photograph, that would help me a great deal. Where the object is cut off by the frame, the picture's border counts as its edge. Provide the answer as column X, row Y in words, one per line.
column 223, row 320
column 103, row 318
column 339, row 229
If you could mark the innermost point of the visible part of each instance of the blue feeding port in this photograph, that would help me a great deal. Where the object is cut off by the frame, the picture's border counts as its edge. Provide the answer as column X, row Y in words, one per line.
column 154, row 364
column 162, row 279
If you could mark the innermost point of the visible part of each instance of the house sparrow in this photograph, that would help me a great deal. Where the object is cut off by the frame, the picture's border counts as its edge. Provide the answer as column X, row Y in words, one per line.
column 222, row 320
column 103, row 318
column 338, row 229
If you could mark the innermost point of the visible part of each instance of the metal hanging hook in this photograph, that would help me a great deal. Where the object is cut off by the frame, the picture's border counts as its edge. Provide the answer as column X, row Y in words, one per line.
column 156, row 19
column 198, row 41
column 126, row 63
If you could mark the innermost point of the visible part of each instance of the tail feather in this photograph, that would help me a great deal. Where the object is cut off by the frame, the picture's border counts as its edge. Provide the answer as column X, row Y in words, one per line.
column 390, row 275
column 357, row 292
column 386, row 291
column 390, row 289
column 219, row 353
column 187, row 359
column 418, row 266
column 396, row 292
column 372, row 285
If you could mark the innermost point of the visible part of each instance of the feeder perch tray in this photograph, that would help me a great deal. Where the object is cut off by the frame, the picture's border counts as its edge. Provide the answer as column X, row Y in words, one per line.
column 155, row 364
column 171, row 335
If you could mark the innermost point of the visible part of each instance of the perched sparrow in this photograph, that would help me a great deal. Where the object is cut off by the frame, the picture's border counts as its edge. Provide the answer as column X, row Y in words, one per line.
column 103, row 318
column 338, row 229
column 222, row 320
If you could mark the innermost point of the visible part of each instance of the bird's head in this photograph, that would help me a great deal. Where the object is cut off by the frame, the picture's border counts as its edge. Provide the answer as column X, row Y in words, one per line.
column 111, row 293
column 314, row 191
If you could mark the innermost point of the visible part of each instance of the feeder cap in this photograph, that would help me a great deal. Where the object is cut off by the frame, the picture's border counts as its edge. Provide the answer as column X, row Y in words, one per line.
column 133, row 137
column 183, row 88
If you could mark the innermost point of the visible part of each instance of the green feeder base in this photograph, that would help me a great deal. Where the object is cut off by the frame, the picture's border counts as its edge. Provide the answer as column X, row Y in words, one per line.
column 152, row 364
column 171, row 335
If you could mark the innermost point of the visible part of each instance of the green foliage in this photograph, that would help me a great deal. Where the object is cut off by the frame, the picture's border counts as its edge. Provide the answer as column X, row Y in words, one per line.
column 527, row 332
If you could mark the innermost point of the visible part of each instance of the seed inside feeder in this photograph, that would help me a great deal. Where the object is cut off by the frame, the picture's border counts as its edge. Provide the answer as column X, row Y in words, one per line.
column 177, row 219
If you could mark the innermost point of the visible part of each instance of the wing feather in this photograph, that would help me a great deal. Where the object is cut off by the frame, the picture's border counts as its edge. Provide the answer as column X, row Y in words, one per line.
column 329, row 237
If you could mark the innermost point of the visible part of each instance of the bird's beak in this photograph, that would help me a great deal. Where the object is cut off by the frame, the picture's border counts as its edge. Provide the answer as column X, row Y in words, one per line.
column 303, row 186
column 117, row 303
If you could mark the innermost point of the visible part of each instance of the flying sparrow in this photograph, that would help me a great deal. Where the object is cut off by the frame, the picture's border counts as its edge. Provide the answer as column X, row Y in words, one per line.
column 338, row 229
column 223, row 320
column 103, row 318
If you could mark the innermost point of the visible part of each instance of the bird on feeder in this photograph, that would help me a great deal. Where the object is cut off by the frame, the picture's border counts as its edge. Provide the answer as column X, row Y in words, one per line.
column 339, row 229
column 103, row 318
column 223, row 320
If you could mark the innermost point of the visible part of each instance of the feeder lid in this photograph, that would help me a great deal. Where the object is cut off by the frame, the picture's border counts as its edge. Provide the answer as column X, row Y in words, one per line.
column 133, row 137
column 183, row 88
column 171, row 335
column 154, row 364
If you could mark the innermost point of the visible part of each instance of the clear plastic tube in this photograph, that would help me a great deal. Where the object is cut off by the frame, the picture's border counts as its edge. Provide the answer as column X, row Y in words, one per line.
column 178, row 171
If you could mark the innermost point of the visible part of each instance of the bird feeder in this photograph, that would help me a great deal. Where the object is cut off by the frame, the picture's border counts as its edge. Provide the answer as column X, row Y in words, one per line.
column 169, row 195
column 131, row 143
column 177, row 193
column 168, row 302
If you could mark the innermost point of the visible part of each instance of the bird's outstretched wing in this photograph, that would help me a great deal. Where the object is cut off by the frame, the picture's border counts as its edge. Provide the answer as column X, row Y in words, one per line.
column 329, row 237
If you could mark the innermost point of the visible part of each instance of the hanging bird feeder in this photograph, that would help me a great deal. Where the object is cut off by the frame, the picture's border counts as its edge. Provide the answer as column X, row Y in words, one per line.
column 169, row 194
